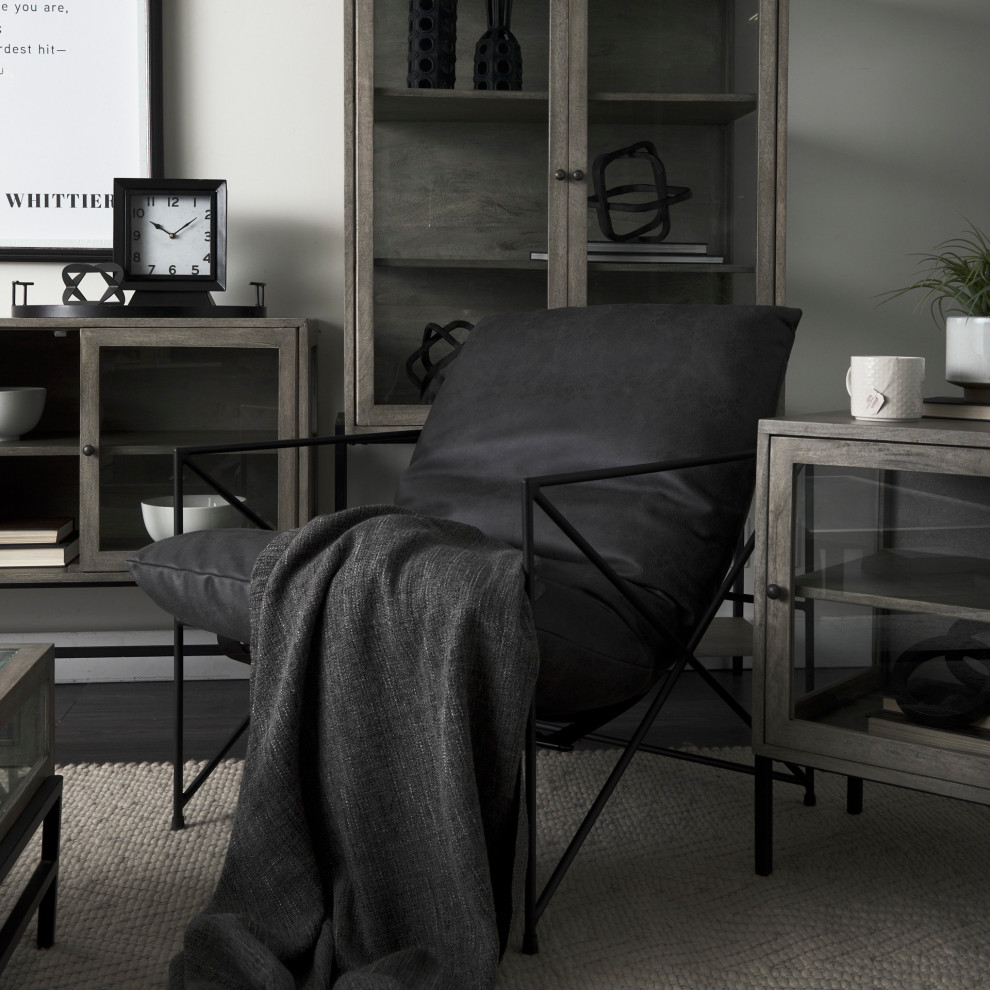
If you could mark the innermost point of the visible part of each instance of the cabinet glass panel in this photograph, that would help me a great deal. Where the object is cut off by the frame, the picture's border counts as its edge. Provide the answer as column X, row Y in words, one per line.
column 25, row 746
column 153, row 399
column 892, row 604
column 679, row 79
column 41, row 357
column 459, row 184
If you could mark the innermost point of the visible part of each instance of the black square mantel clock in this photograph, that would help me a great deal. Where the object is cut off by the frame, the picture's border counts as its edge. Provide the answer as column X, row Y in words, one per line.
column 170, row 235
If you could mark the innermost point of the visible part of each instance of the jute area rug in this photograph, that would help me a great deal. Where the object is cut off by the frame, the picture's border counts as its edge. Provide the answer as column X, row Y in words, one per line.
column 662, row 896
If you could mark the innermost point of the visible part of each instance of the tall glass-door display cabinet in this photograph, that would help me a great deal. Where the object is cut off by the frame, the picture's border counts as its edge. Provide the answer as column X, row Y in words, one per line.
column 468, row 197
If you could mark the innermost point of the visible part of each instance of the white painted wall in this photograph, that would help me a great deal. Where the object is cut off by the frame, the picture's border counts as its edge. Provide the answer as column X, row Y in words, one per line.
column 889, row 135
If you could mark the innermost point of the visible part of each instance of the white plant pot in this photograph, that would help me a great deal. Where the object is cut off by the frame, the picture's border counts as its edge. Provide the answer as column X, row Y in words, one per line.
column 967, row 355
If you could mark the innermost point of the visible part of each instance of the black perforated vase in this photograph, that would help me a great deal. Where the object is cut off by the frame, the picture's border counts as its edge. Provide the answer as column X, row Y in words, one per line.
column 497, row 56
column 432, row 43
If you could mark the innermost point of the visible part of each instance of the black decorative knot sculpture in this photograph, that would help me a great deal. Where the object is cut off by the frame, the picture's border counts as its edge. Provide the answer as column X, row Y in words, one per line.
column 432, row 43
column 497, row 56
column 944, row 681
column 73, row 274
column 662, row 195
column 433, row 371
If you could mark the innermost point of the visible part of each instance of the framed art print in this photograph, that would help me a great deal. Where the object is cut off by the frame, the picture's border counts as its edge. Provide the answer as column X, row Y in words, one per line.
column 80, row 102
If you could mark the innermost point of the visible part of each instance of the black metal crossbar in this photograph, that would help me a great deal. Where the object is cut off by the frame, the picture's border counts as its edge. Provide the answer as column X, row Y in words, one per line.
column 533, row 496
column 184, row 460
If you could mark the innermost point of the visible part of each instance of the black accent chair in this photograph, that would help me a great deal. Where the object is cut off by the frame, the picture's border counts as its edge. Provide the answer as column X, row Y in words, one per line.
column 614, row 445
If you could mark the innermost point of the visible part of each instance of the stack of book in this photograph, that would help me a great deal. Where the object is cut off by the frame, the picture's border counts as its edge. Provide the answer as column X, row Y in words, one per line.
column 646, row 252
column 954, row 407
column 38, row 543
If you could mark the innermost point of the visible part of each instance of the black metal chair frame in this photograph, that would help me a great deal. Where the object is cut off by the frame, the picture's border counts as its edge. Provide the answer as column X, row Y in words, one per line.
column 533, row 495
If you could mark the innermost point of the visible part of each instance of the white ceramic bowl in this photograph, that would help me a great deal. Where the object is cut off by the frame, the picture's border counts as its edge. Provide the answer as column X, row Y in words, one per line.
column 198, row 512
column 20, row 410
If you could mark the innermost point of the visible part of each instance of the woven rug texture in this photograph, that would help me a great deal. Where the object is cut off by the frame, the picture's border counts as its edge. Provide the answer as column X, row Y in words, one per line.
column 663, row 895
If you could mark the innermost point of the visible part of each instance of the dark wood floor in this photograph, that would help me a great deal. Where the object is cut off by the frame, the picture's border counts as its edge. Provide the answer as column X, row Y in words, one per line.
column 132, row 722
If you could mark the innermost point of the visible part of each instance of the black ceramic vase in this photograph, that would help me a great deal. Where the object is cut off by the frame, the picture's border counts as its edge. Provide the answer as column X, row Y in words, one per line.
column 432, row 42
column 497, row 58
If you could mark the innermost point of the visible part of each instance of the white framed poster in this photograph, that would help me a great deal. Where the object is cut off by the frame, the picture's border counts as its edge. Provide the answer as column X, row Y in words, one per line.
column 80, row 105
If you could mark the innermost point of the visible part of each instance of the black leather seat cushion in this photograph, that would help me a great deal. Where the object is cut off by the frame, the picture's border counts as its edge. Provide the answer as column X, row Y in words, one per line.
column 204, row 578
column 594, row 649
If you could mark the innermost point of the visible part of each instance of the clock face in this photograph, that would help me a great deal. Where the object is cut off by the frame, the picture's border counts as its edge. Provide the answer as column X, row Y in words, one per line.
column 171, row 234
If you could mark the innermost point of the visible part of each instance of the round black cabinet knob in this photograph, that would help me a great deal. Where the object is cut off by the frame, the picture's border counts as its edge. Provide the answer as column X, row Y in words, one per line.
column 89, row 450
column 774, row 591
column 577, row 175
column 560, row 175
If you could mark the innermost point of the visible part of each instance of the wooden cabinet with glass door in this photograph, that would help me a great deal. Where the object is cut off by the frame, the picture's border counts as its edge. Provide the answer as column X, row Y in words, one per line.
column 872, row 647
column 465, row 202
column 121, row 396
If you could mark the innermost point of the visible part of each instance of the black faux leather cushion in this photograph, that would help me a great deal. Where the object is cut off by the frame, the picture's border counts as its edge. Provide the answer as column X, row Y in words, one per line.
column 600, row 386
column 203, row 578
column 594, row 650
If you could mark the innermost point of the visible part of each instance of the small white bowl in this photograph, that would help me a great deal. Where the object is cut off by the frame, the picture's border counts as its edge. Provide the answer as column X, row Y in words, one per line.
column 20, row 410
column 198, row 512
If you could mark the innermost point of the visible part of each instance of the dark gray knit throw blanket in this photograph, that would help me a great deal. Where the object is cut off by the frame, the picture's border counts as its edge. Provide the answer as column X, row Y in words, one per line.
column 374, row 839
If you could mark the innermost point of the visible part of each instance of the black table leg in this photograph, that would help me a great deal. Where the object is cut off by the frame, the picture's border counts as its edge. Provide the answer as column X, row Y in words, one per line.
column 41, row 892
column 764, row 815
column 854, row 795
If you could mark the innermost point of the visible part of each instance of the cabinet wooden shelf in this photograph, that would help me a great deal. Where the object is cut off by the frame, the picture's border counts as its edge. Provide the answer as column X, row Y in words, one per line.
column 963, row 594
column 450, row 105
column 474, row 263
column 164, row 442
column 703, row 109
column 450, row 190
column 526, row 263
column 41, row 447
column 122, row 395
column 470, row 106
column 70, row 574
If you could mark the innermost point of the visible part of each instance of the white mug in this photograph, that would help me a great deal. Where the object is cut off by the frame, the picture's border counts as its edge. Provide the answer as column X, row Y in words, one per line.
column 885, row 387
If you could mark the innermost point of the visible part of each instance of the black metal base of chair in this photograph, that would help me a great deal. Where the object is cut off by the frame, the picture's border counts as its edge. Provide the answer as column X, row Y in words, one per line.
column 180, row 793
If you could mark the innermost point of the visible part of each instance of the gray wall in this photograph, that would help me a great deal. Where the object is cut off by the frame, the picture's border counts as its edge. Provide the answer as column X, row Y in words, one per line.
column 888, row 145
column 888, row 136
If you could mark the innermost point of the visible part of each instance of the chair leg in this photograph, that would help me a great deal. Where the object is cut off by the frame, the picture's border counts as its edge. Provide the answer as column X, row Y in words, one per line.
column 530, row 942
column 178, row 673
column 621, row 765
column 180, row 793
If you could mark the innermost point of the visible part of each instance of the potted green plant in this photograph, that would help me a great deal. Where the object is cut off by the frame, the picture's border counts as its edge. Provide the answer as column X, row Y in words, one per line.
column 955, row 280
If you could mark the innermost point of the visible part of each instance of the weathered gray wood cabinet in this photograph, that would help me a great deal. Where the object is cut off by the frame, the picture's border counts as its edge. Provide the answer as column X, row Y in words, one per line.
column 873, row 598
column 122, row 394
column 451, row 192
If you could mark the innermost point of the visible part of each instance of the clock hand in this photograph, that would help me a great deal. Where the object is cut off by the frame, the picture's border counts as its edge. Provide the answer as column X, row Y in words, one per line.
column 183, row 227
column 160, row 227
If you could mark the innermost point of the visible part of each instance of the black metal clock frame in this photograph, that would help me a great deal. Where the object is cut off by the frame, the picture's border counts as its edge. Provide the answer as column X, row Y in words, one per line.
column 125, row 190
